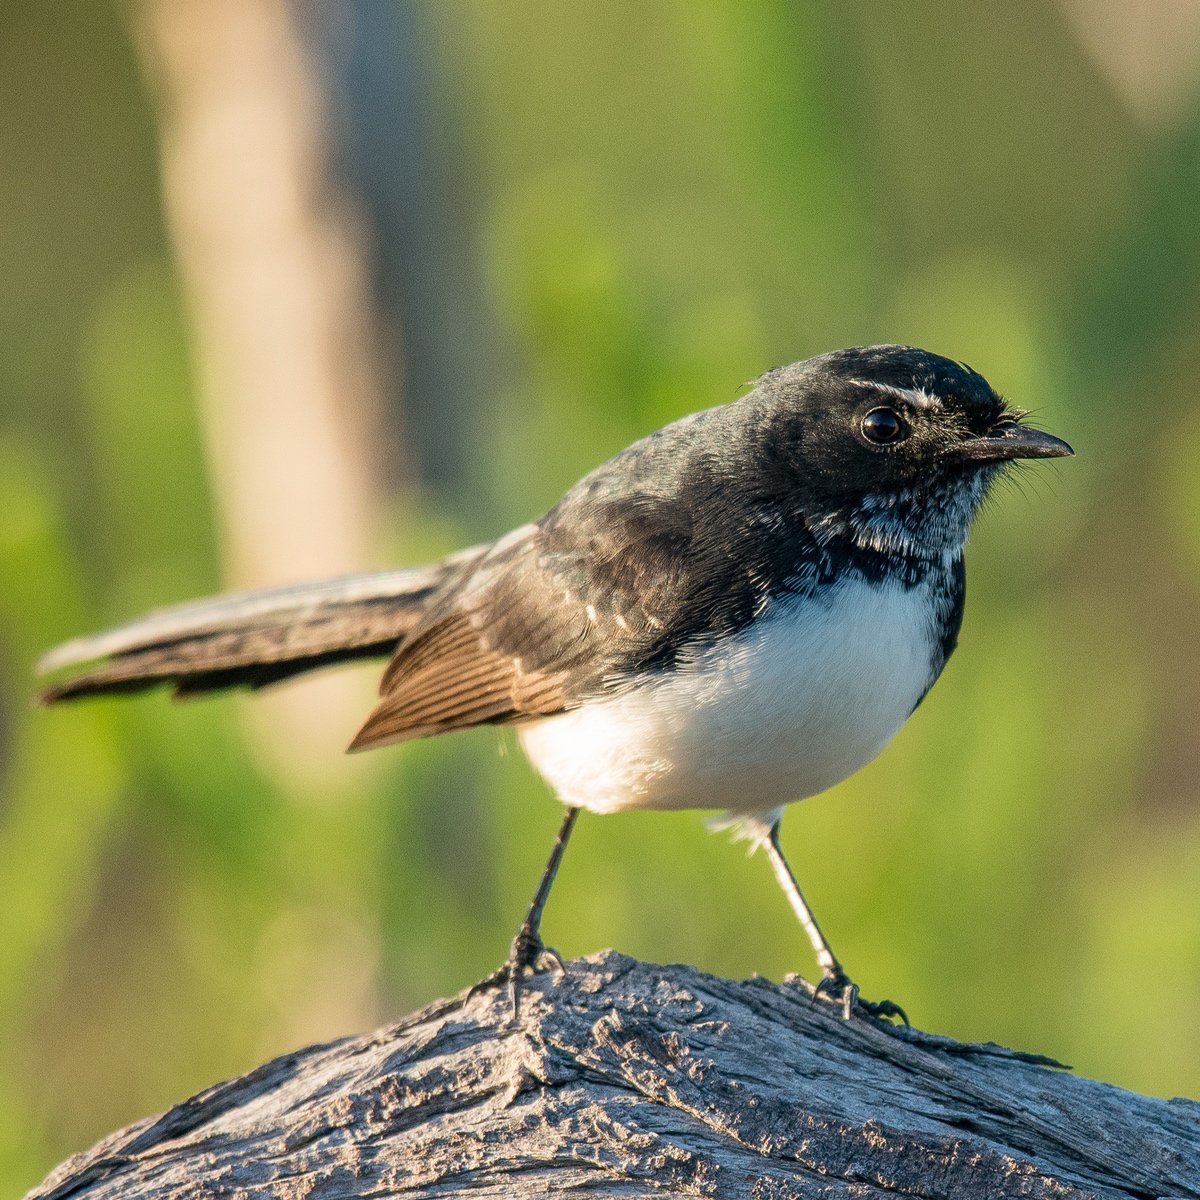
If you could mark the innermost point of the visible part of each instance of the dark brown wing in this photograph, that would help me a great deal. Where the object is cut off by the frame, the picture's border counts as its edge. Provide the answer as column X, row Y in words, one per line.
column 453, row 681
column 504, row 649
column 548, row 618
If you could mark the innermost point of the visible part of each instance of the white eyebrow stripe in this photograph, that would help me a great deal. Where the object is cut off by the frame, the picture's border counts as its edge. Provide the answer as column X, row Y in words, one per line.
column 917, row 397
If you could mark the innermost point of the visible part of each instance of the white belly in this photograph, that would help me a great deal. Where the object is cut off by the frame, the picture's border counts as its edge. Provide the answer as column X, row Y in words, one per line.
column 811, row 692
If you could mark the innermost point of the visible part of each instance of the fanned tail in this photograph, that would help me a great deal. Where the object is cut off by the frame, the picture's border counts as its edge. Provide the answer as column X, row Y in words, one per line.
column 254, row 638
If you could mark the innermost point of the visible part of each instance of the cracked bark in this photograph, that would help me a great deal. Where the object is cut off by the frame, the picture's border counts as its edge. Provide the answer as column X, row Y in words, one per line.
column 628, row 1079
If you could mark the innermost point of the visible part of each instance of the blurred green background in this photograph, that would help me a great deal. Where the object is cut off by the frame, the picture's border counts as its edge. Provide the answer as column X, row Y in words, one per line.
column 297, row 289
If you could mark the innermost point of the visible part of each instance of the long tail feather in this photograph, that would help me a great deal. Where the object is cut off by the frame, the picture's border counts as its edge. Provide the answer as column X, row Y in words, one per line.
column 253, row 638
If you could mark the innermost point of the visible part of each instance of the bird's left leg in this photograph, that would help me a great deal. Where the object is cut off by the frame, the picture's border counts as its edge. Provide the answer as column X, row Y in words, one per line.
column 527, row 948
column 834, row 981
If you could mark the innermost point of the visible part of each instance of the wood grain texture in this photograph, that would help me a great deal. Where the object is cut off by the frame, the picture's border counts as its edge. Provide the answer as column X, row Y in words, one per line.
column 626, row 1079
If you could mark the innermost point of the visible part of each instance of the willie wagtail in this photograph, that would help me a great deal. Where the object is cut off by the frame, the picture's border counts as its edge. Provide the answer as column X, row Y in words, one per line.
column 737, row 611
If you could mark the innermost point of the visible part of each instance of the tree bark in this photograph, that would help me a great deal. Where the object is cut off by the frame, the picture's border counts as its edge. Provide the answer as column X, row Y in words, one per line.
column 627, row 1079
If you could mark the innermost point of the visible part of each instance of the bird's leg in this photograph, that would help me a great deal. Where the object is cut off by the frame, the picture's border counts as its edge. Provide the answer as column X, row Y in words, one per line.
column 834, row 981
column 826, row 959
column 527, row 948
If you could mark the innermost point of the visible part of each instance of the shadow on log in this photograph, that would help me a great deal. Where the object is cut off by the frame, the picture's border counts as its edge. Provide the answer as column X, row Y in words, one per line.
column 627, row 1079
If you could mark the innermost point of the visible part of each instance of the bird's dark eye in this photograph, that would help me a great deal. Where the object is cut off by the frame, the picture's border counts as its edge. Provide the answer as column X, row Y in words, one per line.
column 883, row 426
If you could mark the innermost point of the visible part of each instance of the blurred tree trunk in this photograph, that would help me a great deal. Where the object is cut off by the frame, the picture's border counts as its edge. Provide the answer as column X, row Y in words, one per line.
column 398, row 147
column 275, row 259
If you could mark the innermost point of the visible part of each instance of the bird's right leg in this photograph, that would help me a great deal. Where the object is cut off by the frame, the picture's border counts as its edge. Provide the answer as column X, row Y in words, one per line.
column 835, row 983
column 826, row 959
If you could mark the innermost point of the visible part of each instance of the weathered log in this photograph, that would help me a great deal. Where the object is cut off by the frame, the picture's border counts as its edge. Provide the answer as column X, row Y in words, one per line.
column 627, row 1079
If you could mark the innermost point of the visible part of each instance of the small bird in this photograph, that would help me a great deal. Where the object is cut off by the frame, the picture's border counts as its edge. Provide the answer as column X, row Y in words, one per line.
column 738, row 611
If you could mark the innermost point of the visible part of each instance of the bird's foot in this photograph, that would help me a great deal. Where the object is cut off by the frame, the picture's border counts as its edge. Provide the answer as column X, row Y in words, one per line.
column 839, row 989
column 527, row 955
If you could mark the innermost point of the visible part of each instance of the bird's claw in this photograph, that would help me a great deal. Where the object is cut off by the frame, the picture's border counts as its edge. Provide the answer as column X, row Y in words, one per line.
column 528, row 955
column 837, row 988
column 883, row 1010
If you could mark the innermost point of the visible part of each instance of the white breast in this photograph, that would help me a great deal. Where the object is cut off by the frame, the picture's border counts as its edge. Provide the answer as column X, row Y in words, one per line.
column 805, row 696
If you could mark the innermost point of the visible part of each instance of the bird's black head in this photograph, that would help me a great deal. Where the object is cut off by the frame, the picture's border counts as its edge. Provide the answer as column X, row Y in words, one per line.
column 892, row 445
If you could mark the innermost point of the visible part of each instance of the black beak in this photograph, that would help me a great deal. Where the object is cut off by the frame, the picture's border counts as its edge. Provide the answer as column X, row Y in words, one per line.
column 1009, row 440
